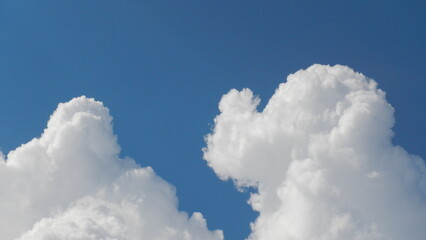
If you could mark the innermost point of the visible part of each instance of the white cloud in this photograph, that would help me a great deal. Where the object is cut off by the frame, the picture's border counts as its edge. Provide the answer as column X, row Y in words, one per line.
column 321, row 156
column 71, row 184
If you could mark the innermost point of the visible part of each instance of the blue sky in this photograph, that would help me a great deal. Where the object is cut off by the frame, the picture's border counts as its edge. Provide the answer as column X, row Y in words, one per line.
column 161, row 68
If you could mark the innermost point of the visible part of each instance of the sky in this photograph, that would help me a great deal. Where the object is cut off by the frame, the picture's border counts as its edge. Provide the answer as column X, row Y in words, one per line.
column 162, row 67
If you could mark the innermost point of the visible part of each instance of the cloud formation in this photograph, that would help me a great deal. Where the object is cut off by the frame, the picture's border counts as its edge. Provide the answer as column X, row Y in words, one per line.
column 321, row 157
column 71, row 184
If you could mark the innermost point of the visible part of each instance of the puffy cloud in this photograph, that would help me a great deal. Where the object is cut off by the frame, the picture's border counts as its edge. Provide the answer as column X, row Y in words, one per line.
column 321, row 157
column 71, row 184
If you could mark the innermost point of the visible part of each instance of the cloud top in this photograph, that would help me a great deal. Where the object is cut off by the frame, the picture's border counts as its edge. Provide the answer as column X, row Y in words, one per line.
column 71, row 184
column 321, row 157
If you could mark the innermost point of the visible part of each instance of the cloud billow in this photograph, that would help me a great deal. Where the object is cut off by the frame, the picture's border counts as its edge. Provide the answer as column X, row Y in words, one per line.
column 321, row 157
column 71, row 184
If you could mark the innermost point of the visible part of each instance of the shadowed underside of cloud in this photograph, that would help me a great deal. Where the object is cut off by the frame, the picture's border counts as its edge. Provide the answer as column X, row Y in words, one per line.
column 71, row 184
column 321, row 157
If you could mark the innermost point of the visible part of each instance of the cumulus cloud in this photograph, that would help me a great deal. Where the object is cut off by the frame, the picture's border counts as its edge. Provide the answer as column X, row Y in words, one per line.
column 321, row 158
column 71, row 184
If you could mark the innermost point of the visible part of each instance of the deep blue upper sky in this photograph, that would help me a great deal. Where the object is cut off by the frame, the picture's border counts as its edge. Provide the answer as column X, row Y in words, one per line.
column 162, row 66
